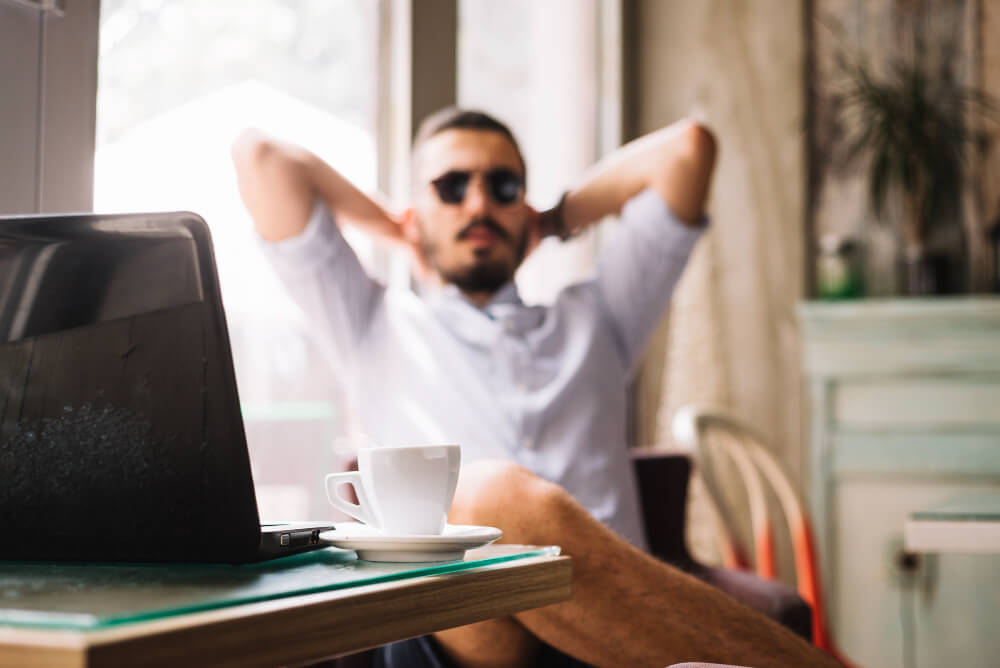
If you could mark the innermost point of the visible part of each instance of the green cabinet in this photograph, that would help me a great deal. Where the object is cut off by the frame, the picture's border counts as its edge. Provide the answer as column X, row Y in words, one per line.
column 904, row 413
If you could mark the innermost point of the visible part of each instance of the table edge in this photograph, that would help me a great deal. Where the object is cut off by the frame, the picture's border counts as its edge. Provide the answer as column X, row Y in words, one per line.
column 300, row 626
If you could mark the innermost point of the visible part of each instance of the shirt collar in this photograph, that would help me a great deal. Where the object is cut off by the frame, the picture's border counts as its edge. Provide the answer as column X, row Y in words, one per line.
column 505, row 312
column 507, row 295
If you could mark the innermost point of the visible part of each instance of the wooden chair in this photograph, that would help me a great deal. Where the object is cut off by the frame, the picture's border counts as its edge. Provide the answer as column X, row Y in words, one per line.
column 715, row 439
column 663, row 477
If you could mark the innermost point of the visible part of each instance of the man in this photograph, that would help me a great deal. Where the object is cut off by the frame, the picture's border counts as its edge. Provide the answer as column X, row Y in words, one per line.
column 535, row 395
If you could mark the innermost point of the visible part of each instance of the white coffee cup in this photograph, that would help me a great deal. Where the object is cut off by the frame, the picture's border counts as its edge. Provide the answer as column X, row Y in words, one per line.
column 403, row 490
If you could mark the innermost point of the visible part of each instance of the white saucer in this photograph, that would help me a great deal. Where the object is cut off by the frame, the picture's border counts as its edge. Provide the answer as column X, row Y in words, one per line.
column 372, row 545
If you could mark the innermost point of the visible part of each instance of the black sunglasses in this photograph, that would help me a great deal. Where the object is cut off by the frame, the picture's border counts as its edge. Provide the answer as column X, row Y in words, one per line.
column 503, row 185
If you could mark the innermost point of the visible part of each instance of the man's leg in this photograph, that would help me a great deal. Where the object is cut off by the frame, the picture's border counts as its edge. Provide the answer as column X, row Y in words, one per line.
column 628, row 608
column 497, row 643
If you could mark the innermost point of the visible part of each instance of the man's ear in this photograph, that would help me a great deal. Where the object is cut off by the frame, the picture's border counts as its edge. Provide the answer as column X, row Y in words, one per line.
column 411, row 230
column 411, row 234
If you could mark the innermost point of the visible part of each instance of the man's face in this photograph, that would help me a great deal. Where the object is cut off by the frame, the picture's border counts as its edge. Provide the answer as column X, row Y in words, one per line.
column 473, row 236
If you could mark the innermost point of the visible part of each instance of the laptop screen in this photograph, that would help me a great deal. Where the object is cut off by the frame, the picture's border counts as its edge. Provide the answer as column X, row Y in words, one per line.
column 120, row 433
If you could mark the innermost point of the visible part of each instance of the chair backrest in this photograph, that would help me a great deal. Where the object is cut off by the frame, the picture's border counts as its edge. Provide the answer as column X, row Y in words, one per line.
column 663, row 484
column 715, row 437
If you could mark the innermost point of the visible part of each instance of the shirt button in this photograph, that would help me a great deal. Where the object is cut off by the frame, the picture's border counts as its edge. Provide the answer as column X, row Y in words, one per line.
column 528, row 443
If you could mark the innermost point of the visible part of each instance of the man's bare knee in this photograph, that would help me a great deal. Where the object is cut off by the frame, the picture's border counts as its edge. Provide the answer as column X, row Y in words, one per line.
column 506, row 495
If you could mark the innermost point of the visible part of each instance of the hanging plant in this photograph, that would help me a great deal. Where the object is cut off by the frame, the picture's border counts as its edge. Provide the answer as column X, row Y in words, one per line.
column 911, row 132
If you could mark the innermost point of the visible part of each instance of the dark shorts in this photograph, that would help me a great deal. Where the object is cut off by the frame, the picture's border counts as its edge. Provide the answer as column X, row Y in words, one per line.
column 424, row 652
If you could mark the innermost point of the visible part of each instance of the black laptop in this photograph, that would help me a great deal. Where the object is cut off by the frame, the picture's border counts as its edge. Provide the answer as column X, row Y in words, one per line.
column 121, row 437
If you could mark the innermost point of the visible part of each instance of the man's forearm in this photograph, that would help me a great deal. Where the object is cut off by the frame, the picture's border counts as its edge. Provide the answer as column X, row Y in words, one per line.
column 676, row 162
column 279, row 183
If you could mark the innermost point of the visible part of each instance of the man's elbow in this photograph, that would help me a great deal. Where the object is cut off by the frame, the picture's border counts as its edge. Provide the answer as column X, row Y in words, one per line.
column 268, row 165
column 684, row 177
column 251, row 149
column 698, row 145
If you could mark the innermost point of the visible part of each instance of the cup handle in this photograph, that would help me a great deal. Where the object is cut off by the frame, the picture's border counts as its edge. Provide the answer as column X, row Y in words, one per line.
column 359, row 511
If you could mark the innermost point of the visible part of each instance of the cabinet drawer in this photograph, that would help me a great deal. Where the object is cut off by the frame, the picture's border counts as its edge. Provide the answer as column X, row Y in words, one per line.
column 918, row 402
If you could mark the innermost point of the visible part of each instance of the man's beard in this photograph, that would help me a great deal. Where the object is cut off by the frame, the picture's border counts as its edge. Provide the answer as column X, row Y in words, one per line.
column 484, row 275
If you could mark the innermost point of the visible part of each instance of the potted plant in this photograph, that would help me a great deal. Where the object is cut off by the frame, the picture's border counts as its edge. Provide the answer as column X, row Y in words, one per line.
column 911, row 132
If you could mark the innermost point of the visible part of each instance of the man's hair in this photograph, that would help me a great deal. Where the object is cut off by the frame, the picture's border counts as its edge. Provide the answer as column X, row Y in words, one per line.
column 455, row 118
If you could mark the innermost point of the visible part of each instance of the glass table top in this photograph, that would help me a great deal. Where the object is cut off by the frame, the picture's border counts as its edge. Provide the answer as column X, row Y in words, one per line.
column 97, row 596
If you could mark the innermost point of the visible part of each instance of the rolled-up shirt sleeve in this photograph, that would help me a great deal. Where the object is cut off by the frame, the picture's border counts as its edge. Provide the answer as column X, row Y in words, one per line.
column 639, row 266
column 325, row 278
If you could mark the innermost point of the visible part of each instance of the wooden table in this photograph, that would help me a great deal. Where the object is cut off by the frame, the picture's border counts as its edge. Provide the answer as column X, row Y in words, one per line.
column 302, row 629
column 964, row 524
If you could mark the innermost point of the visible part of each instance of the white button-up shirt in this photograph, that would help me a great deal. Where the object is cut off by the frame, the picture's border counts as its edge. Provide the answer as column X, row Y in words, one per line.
column 544, row 386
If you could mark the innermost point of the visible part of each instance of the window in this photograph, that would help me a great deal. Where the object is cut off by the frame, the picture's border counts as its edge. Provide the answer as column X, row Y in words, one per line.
column 551, row 70
column 177, row 80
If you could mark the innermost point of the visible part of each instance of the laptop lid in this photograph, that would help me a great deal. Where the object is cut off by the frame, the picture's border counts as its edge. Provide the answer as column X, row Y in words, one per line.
column 121, row 437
